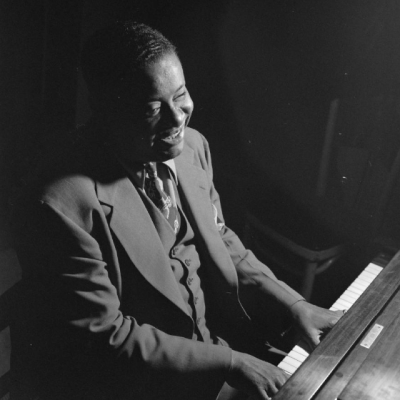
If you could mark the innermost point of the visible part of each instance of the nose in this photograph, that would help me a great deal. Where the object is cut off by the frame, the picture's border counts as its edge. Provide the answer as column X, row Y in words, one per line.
column 177, row 116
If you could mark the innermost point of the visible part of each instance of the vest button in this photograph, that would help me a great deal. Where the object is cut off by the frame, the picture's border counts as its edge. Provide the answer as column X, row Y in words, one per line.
column 189, row 281
column 174, row 251
column 187, row 262
column 198, row 320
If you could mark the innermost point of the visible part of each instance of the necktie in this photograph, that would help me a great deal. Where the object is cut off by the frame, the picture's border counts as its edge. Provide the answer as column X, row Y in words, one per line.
column 154, row 188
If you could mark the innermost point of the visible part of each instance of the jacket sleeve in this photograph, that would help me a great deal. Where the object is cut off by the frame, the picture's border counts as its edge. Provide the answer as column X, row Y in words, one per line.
column 252, row 273
column 63, row 259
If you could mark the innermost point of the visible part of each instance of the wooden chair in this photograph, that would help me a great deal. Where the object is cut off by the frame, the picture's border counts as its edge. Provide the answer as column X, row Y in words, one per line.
column 356, row 214
column 314, row 261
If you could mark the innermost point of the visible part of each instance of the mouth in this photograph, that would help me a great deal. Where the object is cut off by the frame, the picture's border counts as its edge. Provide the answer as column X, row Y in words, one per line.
column 175, row 138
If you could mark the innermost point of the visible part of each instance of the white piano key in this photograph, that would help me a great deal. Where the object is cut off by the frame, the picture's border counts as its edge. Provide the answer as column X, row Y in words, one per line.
column 294, row 362
column 374, row 268
column 300, row 350
column 364, row 280
column 290, row 369
column 360, row 281
column 349, row 296
column 355, row 291
column 296, row 356
column 358, row 284
column 368, row 276
column 343, row 303
column 299, row 353
column 368, row 272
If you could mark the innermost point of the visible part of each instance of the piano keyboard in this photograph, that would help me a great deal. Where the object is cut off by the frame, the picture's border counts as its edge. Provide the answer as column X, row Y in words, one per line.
column 297, row 355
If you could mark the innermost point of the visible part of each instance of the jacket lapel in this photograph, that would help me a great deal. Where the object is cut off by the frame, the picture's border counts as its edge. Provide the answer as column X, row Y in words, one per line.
column 134, row 228
column 222, row 274
column 195, row 189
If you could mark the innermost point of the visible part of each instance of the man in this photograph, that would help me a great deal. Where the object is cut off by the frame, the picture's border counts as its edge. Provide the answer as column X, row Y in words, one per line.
column 129, row 267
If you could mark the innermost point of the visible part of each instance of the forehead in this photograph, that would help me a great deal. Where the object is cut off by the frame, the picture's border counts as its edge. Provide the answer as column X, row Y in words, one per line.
column 162, row 77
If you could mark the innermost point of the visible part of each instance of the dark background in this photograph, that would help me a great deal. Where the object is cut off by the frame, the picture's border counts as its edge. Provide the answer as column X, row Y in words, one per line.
column 262, row 75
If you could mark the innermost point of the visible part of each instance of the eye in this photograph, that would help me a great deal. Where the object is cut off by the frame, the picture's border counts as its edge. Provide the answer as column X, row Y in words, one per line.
column 152, row 111
column 180, row 96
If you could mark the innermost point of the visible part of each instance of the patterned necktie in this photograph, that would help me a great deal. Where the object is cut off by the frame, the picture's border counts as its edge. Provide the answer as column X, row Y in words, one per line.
column 154, row 188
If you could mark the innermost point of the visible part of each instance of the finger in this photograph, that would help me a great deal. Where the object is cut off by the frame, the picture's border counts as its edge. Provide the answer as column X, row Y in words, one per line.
column 285, row 376
column 313, row 339
column 272, row 390
column 281, row 379
column 312, row 343
column 262, row 394
column 338, row 314
column 305, row 345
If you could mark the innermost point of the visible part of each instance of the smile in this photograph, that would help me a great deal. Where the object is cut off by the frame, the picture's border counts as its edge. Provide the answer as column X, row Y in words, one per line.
column 175, row 134
column 174, row 138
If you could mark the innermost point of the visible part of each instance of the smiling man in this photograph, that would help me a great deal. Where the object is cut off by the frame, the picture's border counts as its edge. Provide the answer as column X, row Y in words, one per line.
column 130, row 271
column 164, row 109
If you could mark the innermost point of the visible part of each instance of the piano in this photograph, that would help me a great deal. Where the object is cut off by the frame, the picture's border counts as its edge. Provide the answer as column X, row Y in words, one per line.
column 360, row 357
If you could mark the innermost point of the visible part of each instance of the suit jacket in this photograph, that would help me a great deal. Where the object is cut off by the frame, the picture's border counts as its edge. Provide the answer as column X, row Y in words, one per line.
column 105, row 315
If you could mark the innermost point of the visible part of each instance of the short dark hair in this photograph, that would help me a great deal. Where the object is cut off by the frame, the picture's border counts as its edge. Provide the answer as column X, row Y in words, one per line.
column 112, row 56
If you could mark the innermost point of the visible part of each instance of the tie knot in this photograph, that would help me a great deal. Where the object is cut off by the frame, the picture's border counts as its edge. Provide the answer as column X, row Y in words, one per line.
column 151, row 169
column 154, row 188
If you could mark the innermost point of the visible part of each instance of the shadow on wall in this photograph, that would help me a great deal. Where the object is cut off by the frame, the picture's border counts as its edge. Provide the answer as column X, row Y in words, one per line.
column 276, row 94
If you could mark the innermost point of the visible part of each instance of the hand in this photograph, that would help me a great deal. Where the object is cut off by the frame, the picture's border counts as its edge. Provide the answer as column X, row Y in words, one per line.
column 312, row 321
column 255, row 377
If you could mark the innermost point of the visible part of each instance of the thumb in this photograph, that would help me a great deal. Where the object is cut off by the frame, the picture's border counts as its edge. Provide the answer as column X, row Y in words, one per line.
column 309, row 343
column 262, row 395
column 314, row 340
column 339, row 314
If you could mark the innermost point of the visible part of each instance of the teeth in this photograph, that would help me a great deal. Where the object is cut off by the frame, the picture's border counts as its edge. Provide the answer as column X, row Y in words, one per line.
column 174, row 136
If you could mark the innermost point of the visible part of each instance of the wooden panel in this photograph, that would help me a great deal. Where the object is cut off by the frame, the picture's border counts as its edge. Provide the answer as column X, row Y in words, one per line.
column 322, row 362
column 355, row 361
column 379, row 375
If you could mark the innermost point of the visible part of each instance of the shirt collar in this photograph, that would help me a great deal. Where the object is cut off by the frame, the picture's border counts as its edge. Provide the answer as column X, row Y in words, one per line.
column 136, row 171
column 172, row 167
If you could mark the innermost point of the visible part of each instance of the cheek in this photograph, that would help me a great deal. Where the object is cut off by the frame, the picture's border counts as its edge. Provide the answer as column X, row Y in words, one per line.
column 150, row 132
column 137, row 136
column 144, row 131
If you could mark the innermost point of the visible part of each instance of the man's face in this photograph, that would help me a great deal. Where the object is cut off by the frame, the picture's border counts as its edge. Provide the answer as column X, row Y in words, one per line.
column 152, row 128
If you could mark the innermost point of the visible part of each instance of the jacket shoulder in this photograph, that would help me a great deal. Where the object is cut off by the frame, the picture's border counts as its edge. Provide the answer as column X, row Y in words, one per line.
column 194, row 139
column 199, row 144
column 73, row 190
column 66, row 185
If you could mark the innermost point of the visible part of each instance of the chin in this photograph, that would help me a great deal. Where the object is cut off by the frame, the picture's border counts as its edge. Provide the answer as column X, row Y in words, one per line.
column 170, row 153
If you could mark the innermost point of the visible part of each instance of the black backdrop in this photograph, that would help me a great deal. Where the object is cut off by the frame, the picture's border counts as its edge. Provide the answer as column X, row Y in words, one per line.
column 261, row 73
